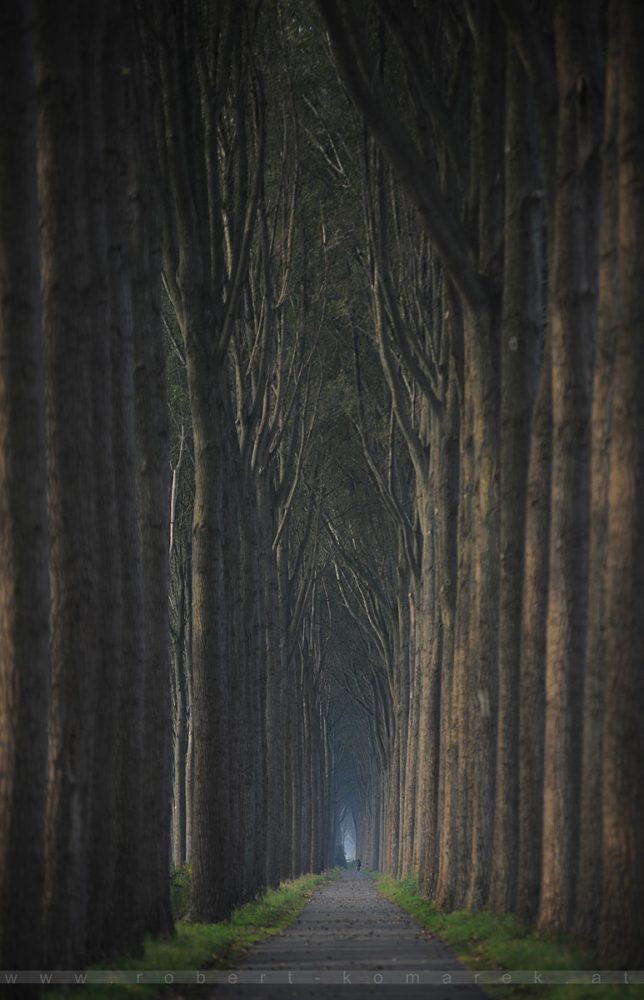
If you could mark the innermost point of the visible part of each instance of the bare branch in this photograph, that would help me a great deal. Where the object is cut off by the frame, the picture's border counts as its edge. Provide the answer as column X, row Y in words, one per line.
column 447, row 233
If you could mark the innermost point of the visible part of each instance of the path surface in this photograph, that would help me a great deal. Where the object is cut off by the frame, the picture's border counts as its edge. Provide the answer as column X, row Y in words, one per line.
column 348, row 927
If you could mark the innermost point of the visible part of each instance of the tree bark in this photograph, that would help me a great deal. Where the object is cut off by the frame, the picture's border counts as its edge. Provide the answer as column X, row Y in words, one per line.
column 72, row 510
column 532, row 667
column 573, row 305
column 621, row 931
column 24, row 585
column 520, row 345
column 153, row 459
column 588, row 899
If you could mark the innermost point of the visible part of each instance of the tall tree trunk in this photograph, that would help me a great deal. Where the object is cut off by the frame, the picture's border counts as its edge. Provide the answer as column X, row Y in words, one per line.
column 126, row 927
column 72, row 514
column 407, row 604
column 430, row 671
column 588, row 899
column 573, row 305
column 180, row 727
column 448, row 498
column 154, row 498
column 521, row 340
column 286, row 699
column 210, row 900
column 621, row 934
column 273, row 689
column 453, row 821
column 482, row 344
column 102, row 858
column 190, row 740
column 24, row 584
column 532, row 668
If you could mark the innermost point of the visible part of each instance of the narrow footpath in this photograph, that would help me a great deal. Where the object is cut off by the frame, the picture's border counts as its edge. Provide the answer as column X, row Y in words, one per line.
column 350, row 942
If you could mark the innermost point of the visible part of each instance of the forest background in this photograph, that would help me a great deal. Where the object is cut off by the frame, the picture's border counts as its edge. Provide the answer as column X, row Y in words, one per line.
column 321, row 459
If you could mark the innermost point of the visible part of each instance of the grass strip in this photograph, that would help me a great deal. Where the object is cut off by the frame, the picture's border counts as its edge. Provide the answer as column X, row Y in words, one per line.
column 207, row 946
column 488, row 940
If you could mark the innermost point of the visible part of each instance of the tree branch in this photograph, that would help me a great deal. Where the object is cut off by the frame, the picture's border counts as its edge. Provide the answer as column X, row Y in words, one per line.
column 445, row 229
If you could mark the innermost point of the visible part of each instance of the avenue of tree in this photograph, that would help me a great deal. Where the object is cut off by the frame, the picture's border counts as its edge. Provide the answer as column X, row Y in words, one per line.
column 321, row 459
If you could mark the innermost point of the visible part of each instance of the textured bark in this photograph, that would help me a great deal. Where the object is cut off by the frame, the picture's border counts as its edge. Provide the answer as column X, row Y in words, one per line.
column 234, row 530
column 273, row 693
column 72, row 514
column 454, row 824
column 126, row 926
column 482, row 344
column 190, row 742
column 573, row 305
column 252, row 726
column 587, row 900
column 430, row 668
column 480, row 680
column 401, row 750
column 521, row 341
column 287, row 707
column 102, row 858
column 305, row 764
column 447, row 559
column 180, row 724
column 621, row 931
column 209, row 845
column 152, row 434
column 24, row 586
column 532, row 668
column 407, row 603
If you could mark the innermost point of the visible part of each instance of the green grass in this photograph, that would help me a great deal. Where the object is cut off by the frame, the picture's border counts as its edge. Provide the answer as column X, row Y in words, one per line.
column 495, row 941
column 203, row 946
column 180, row 887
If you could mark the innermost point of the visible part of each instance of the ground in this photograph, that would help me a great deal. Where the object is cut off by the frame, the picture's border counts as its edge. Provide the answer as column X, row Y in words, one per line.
column 349, row 932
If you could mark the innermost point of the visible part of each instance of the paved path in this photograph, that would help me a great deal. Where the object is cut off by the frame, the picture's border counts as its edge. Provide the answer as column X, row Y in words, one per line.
column 348, row 928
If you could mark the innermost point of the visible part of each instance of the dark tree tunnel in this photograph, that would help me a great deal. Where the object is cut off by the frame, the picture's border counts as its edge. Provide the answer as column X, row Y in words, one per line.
column 321, row 461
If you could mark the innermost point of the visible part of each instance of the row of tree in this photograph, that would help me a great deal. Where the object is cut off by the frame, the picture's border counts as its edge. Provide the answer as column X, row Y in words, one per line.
column 147, row 204
column 85, row 680
column 244, row 682
column 381, row 553
column 502, row 638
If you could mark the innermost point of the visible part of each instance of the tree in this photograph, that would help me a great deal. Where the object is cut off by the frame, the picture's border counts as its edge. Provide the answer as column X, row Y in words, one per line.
column 620, row 926
column 67, row 317
column 24, row 590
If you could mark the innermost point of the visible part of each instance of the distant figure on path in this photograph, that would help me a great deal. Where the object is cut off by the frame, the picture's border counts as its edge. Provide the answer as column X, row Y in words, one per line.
column 358, row 864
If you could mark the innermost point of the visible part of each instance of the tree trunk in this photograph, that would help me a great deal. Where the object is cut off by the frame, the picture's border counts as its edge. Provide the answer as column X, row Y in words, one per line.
column 621, row 934
column 180, row 726
column 521, row 340
column 273, row 691
column 102, row 859
column 407, row 604
column 573, row 303
column 154, row 497
column 532, row 668
column 454, row 824
column 72, row 510
column 24, row 584
column 588, row 898
column 481, row 346
column 209, row 702
column 430, row 671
